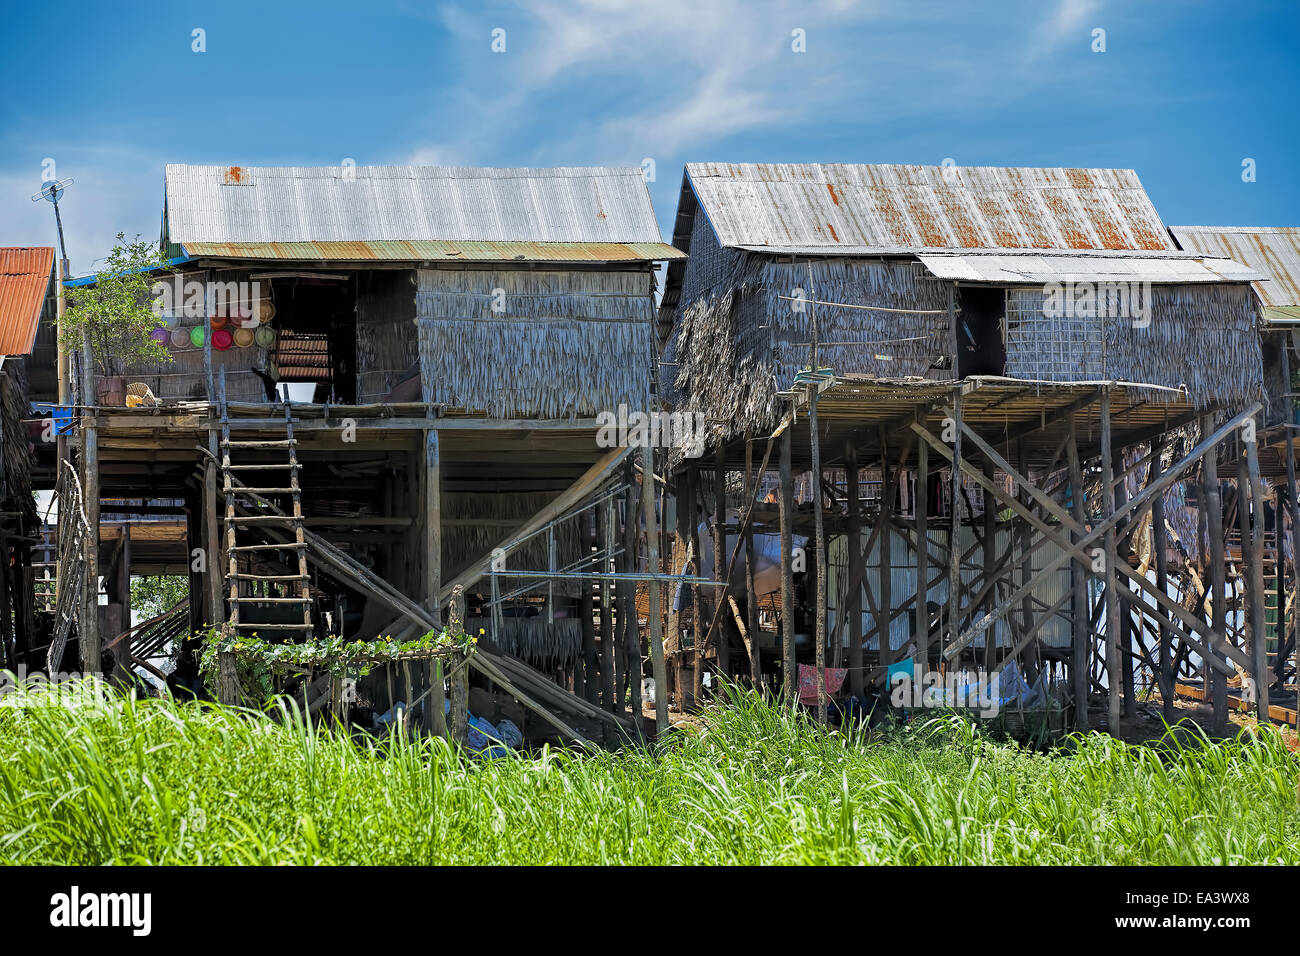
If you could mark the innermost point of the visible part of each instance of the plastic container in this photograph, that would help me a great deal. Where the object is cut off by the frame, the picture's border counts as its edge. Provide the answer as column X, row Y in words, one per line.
column 180, row 338
column 222, row 339
column 196, row 336
column 299, row 392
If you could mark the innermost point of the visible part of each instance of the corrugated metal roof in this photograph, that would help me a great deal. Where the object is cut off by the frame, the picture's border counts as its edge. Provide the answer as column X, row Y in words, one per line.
column 371, row 204
column 889, row 209
column 25, row 277
column 439, row 250
column 1273, row 251
column 980, row 267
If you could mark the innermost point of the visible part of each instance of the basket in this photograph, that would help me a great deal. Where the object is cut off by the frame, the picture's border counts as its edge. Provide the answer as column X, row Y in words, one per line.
column 139, row 394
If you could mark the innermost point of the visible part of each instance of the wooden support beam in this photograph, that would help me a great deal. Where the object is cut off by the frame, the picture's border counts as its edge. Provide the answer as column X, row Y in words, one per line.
column 586, row 683
column 1293, row 503
column 889, row 478
column 1213, row 507
column 697, row 610
column 954, row 539
column 1114, row 676
column 921, row 507
column 720, row 552
column 630, row 682
column 583, row 486
column 1258, row 628
column 990, row 565
column 657, row 662
column 1069, row 550
column 820, row 539
column 88, row 629
column 1160, row 551
column 1134, row 506
column 789, row 686
column 751, row 592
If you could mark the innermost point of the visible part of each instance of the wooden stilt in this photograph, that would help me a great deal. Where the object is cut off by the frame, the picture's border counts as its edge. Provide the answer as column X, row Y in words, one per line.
column 888, row 483
column 1160, row 547
column 954, row 534
column 990, row 569
column 1293, row 503
column 921, row 503
column 1021, row 531
column 588, row 674
column 1114, row 677
column 852, row 610
column 1213, row 507
column 788, row 670
column 658, row 665
column 605, row 542
column 1126, row 634
column 697, row 608
column 435, row 720
column 719, row 550
column 458, row 725
column 1255, row 584
column 819, row 536
column 627, row 602
column 751, row 593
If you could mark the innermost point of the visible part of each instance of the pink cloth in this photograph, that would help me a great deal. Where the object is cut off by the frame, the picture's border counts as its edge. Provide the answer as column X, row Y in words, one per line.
column 808, row 682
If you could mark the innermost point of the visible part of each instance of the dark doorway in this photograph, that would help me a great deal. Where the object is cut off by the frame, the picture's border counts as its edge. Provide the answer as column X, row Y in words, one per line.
column 316, row 318
column 980, row 349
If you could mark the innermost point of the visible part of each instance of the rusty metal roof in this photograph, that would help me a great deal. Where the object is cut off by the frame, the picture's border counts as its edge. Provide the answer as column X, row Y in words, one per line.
column 26, row 275
column 842, row 209
column 1272, row 251
column 1007, row 269
column 438, row 250
column 372, row 206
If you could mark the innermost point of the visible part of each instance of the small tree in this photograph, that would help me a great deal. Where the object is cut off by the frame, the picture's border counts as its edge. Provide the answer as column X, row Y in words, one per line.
column 116, row 313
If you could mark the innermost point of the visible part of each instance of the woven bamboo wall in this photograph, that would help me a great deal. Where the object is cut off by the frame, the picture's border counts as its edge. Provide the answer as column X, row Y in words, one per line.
column 387, row 344
column 565, row 343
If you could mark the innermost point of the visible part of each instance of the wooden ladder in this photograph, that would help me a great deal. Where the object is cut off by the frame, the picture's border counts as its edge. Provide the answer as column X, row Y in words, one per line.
column 240, row 501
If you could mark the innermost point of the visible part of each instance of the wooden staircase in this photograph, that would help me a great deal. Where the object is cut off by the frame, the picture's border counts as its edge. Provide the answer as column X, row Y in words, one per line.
column 274, row 574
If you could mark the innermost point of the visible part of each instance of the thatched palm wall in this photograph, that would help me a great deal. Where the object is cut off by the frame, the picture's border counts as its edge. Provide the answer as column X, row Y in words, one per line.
column 736, row 345
column 1201, row 338
column 565, row 343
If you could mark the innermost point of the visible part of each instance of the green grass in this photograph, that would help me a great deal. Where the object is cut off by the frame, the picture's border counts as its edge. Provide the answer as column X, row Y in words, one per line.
column 156, row 782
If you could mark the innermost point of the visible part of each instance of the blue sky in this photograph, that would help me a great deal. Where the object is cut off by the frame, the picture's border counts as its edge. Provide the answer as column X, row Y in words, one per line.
column 1184, row 92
